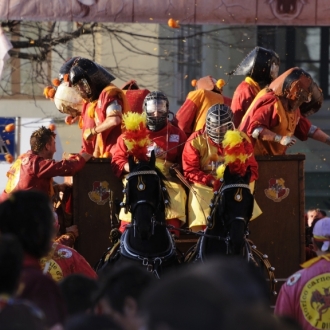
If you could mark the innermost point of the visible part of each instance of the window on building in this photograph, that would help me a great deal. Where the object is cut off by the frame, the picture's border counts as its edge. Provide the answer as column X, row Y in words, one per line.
column 306, row 47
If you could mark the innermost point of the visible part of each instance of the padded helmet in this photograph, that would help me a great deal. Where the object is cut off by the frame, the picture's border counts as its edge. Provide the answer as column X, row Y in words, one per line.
column 296, row 84
column 219, row 120
column 89, row 78
column 66, row 67
column 156, row 107
column 261, row 65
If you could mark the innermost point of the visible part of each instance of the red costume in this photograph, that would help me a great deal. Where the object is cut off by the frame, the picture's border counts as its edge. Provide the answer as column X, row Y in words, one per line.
column 106, row 140
column 31, row 171
column 305, row 296
column 41, row 290
column 191, row 116
column 244, row 94
column 201, row 157
column 165, row 139
column 63, row 261
column 267, row 111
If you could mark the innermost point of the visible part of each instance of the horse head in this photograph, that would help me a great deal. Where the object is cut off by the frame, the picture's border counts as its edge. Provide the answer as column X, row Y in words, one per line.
column 146, row 196
column 235, row 206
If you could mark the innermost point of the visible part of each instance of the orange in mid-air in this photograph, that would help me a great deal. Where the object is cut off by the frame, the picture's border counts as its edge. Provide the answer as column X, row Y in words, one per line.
column 173, row 23
column 10, row 127
column 9, row 158
column 52, row 127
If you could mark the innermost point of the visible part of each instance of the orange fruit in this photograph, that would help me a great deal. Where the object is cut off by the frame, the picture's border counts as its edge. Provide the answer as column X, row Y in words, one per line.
column 10, row 127
column 52, row 127
column 9, row 158
column 68, row 120
column 173, row 23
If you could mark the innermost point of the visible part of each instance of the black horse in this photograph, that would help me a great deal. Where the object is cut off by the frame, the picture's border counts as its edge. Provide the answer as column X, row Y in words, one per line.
column 231, row 210
column 147, row 240
column 227, row 226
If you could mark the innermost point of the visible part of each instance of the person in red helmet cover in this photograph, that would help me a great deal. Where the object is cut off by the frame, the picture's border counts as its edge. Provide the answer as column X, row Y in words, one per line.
column 278, row 114
column 106, row 104
column 260, row 67
column 201, row 157
column 134, row 95
column 191, row 116
column 167, row 143
column 305, row 295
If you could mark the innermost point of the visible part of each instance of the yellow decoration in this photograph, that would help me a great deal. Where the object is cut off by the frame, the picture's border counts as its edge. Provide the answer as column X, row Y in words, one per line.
column 132, row 120
column 220, row 171
column 231, row 139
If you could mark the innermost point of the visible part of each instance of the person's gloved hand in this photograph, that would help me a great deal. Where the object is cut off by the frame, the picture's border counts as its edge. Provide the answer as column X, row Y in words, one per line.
column 287, row 141
column 89, row 134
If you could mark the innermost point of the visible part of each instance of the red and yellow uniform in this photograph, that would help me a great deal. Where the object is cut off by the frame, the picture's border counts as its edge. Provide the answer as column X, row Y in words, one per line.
column 168, row 138
column 31, row 171
column 200, row 159
column 63, row 261
column 267, row 111
column 106, row 140
column 192, row 114
column 86, row 122
column 244, row 94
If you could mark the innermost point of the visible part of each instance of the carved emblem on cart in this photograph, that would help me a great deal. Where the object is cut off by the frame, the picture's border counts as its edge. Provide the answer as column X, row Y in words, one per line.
column 100, row 193
column 276, row 190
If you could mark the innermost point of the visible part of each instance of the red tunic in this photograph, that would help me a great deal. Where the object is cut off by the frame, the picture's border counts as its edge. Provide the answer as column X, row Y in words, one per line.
column 305, row 296
column 42, row 290
column 31, row 171
column 169, row 133
column 107, row 140
column 198, row 155
column 242, row 99
column 263, row 113
column 63, row 261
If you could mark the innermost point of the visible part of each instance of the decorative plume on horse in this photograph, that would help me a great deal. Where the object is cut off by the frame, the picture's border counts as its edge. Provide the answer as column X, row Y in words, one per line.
column 146, row 240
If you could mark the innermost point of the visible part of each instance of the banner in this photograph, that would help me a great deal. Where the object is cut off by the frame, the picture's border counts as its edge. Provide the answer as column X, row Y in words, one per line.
column 224, row 12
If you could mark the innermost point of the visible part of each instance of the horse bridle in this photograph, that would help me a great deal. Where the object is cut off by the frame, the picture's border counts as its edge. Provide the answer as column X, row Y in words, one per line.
column 132, row 207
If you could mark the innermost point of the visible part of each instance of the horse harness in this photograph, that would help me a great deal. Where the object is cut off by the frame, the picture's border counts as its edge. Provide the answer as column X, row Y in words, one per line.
column 152, row 263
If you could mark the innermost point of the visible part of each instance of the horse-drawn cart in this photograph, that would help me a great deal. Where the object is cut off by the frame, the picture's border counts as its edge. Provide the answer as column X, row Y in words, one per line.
column 278, row 232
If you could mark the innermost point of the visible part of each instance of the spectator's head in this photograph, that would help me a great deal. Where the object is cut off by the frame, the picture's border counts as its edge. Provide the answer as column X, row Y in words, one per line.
column 205, row 295
column 43, row 141
column 156, row 107
column 29, row 216
column 77, row 291
column 91, row 322
column 120, row 293
column 11, row 261
column 219, row 119
column 321, row 236
column 261, row 64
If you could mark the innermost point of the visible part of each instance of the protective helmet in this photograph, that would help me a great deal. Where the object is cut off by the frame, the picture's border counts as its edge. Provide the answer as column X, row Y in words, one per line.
column 156, row 107
column 260, row 64
column 296, row 84
column 219, row 119
column 66, row 67
column 89, row 78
